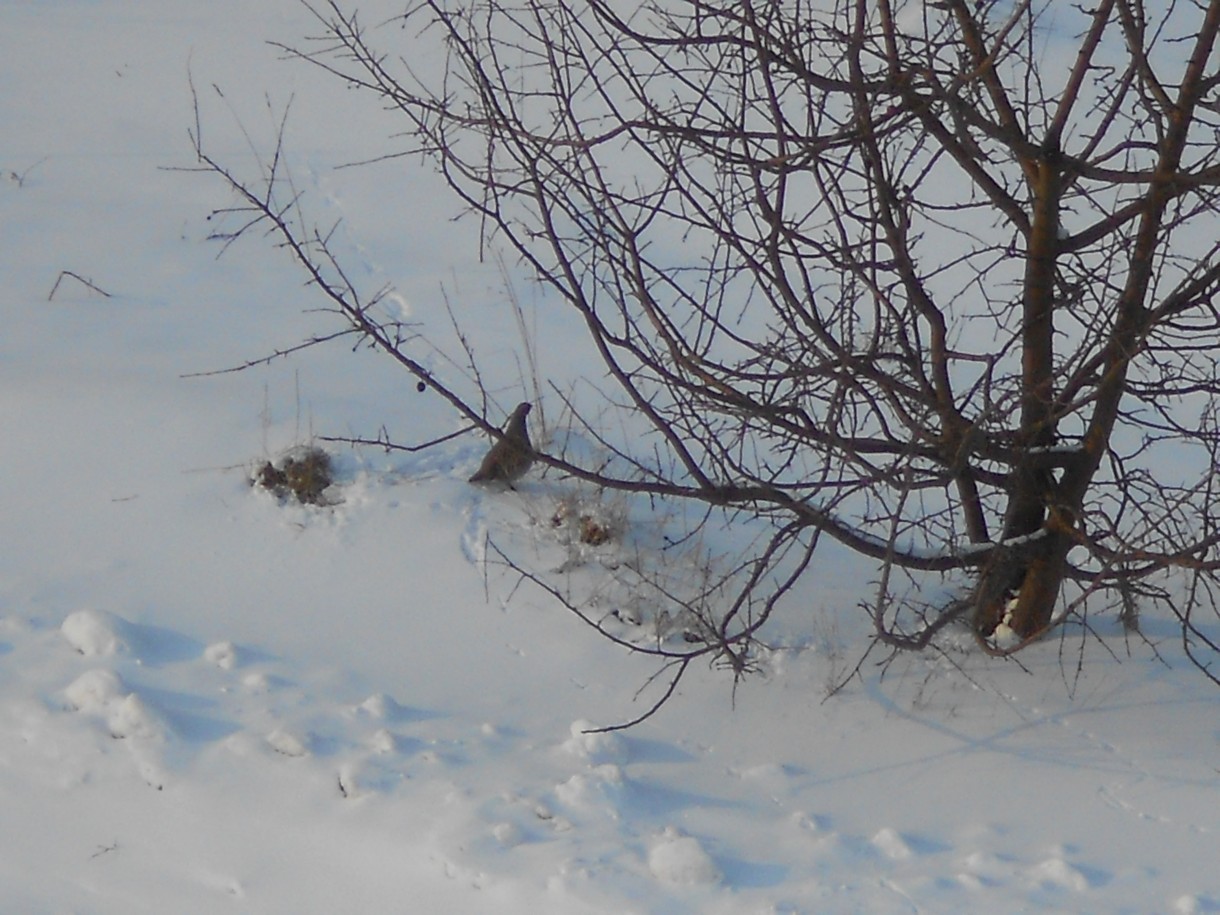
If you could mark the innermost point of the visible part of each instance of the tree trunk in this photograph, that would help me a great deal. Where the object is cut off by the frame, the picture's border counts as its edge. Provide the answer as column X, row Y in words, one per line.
column 1029, row 562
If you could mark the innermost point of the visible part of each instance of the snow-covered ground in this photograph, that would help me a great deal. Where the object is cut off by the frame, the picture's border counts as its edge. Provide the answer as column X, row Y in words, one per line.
column 211, row 702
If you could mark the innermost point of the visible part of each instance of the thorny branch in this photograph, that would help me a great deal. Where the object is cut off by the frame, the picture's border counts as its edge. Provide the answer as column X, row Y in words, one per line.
column 934, row 281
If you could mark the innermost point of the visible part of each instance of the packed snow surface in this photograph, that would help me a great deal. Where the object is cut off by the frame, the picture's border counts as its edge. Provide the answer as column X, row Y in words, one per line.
column 214, row 702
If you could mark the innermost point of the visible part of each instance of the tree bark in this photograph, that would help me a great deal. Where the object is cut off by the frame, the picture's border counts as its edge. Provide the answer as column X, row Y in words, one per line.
column 1031, row 571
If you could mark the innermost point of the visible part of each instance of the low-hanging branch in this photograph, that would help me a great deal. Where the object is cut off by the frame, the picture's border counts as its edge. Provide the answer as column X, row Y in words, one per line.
column 935, row 282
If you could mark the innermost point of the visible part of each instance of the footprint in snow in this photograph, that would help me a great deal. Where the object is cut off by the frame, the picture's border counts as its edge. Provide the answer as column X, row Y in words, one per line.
column 474, row 536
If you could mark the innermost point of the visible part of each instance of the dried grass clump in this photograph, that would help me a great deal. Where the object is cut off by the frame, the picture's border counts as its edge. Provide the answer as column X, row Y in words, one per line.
column 593, row 531
column 304, row 474
column 591, row 525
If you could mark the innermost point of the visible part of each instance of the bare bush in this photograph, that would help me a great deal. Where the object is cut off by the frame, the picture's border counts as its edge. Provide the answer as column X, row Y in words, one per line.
column 934, row 280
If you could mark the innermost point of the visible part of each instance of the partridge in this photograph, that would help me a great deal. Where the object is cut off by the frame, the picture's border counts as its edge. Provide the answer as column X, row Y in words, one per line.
column 511, row 456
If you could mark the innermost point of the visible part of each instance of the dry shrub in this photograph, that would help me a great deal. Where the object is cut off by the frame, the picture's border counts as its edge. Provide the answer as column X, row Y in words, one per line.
column 588, row 522
column 303, row 474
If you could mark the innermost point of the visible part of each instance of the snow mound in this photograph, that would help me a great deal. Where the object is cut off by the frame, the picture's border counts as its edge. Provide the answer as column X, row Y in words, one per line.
column 891, row 844
column 381, row 707
column 103, row 693
column 1055, row 872
column 509, row 835
column 287, row 743
column 133, row 717
column 601, row 788
column 681, row 859
column 95, row 691
column 382, row 741
column 125, row 716
column 222, row 654
column 1190, row 905
column 597, row 748
column 96, row 633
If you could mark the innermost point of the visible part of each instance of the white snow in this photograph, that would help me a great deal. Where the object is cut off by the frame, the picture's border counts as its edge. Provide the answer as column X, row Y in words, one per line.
column 676, row 858
column 211, row 702
column 94, row 632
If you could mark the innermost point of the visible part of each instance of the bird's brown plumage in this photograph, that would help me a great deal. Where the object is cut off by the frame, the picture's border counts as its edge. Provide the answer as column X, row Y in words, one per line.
column 512, row 455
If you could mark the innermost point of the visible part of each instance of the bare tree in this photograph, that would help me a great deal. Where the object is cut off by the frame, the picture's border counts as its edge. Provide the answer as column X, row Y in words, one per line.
column 934, row 280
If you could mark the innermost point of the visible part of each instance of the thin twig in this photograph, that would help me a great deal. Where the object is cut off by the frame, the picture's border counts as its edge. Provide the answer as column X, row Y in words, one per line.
column 89, row 284
column 383, row 441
